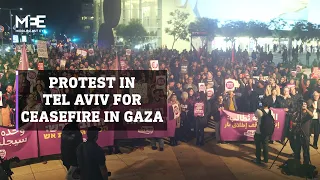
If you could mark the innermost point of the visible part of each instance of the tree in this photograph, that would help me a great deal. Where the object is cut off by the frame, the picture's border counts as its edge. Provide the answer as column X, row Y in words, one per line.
column 179, row 27
column 299, row 31
column 277, row 25
column 233, row 29
column 133, row 33
column 256, row 29
column 207, row 25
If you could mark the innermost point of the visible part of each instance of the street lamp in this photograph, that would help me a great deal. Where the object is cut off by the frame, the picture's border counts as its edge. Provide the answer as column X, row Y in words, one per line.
column 10, row 14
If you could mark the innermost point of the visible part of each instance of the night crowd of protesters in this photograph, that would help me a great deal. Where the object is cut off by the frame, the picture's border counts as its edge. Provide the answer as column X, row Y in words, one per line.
column 257, row 75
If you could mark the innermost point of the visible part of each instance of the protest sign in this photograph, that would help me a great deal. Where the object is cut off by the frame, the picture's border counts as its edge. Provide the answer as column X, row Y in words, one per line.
column 230, row 84
column 236, row 126
column 299, row 69
column 176, row 111
column 202, row 87
column 154, row 64
column 62, row 63
column 128, row 52
column 184, row 69
column 32, row 76
column 315, row 73
column 1, row 103
column 210, row 92
column 42, row 49
column 91, row 52
column 161, row 82
column 140, row 88
column 21, row 143
column 307, row 72
column 199, row 109
column 40, row 66
column 84, row 53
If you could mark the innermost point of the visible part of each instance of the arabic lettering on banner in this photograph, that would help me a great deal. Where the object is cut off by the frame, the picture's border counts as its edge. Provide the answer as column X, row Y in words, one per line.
column 242, row 126
column 21, row 143
column 50, row 136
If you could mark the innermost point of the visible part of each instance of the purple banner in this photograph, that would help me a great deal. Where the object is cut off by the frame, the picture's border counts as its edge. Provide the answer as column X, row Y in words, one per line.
column 236, row 126
column 50, row 139
column 21, row 143
column 148, row 132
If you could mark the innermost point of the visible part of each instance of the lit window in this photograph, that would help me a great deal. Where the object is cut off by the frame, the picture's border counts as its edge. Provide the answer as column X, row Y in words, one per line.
column 84, row 18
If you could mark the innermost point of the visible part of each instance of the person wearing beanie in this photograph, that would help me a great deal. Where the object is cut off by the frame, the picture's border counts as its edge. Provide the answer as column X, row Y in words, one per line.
column 91, row 157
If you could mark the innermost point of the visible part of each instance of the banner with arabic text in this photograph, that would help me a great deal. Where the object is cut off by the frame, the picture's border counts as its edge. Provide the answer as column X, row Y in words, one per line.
column 21, row 143
column 236, row 126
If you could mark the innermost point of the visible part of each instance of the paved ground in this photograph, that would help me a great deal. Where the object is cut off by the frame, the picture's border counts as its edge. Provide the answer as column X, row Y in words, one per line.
column 184, row 162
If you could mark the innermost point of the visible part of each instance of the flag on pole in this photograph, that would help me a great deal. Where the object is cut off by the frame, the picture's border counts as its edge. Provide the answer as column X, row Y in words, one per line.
column 24, row 63
column 233, row 53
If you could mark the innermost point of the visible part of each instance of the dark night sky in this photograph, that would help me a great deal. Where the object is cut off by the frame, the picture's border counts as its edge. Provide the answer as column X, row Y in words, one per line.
column 62, row 15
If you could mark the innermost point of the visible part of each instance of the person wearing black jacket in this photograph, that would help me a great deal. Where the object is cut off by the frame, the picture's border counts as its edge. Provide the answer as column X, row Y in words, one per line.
column 70, row 139
column 217, row 107
column 275, row 101
column 201, row 122
column 186, row 109
column 287, row 105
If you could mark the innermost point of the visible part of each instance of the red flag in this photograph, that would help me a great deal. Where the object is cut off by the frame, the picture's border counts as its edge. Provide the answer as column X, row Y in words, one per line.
column 24, row 63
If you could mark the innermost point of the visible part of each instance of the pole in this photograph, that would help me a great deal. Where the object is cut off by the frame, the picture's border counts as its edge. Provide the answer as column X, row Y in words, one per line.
column 11, row 30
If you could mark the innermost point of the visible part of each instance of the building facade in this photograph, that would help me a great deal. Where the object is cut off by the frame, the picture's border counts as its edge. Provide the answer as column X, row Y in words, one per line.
column 153, row 15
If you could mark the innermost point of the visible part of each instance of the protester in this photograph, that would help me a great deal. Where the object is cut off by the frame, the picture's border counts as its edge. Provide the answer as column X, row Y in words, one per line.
column 202, row 121
column 314, row 103
column 217, row 107
column 303, row 133
column 262, row 134
column 91, row 158
column 211, row 68
column 71, row 137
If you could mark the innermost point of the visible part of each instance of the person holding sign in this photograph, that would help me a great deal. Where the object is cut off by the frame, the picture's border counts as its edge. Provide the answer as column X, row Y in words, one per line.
column 186, row 109
column 174, row 103
column 202, row 113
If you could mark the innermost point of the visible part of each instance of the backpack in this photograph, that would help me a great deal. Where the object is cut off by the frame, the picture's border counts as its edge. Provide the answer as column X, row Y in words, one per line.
column 267, row 123
column 295, row 168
